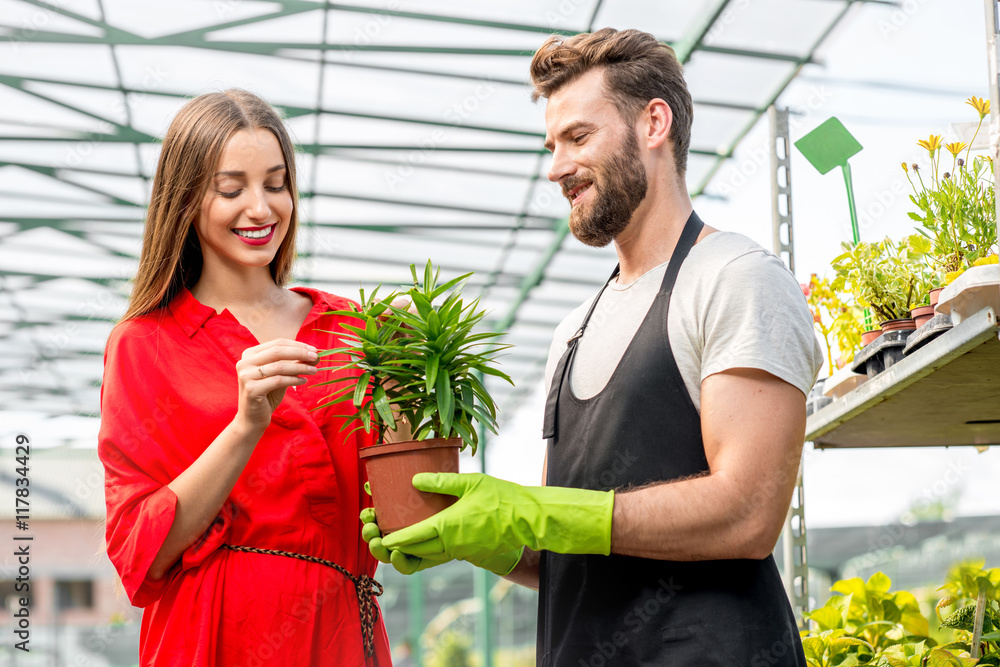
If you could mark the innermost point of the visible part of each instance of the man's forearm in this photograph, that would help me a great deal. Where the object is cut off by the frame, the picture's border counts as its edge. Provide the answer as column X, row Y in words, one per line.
column 706, row 518
column 525, row 572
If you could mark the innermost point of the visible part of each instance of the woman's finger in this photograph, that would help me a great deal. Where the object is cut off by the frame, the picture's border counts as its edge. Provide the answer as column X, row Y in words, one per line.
column 264, row 355
column 281, row 368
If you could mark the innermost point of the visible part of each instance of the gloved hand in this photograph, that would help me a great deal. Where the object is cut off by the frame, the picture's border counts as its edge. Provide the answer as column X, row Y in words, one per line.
column 494, row 518
column 500, row 564
column 404, row 563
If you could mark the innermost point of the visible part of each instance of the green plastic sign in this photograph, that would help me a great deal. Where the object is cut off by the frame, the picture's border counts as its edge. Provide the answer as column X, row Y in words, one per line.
column 828, row 146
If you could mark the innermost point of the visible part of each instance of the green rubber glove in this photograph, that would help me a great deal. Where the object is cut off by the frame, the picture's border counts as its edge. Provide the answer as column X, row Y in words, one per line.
column 404, row 563
column 493, row 518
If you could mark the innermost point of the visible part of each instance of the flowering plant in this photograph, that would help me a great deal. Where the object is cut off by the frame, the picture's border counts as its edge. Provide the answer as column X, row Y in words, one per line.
column 956, row 208
column 836, row 320
column 887, row 277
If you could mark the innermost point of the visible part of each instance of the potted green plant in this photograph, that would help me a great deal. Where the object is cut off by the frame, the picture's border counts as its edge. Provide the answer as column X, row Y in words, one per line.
column 885, row 277
column 421, row 363
column 888, row 279
column 956, row 208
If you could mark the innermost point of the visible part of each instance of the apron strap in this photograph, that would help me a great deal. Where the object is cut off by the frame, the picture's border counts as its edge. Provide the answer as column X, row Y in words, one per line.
column 687, row 240
column 552, row 401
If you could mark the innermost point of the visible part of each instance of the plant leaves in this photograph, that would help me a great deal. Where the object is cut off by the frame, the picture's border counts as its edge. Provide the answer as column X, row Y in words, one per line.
column 383, row 408
column 430, row 374
column 445, row 403
column 361, row 387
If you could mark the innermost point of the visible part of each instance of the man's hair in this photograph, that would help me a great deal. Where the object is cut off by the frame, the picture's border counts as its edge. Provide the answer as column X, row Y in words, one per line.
column 637, row 69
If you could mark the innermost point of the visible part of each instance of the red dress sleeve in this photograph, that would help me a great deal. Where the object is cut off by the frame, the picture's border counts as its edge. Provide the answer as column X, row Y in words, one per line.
column 132, row 446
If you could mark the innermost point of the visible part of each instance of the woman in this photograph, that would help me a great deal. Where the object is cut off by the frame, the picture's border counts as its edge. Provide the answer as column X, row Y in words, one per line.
column 219, row 479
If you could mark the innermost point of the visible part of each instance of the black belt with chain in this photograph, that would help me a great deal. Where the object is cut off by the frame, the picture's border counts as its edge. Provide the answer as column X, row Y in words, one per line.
column 368, row 589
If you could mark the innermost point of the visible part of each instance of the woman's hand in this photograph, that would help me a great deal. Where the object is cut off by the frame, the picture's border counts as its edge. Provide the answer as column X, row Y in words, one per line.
column 265, row 371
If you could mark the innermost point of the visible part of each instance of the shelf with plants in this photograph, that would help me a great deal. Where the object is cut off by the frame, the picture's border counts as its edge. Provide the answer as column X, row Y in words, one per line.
column 927, row 373
column 946, row 393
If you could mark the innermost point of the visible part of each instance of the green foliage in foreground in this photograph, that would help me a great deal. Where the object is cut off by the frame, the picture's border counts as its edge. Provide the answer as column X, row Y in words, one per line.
column 867, row 624
column 420, row 360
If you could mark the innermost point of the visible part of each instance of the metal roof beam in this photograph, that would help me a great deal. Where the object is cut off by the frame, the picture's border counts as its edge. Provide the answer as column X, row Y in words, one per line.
column 521, row 27
column 774, row 97
column 427, row 204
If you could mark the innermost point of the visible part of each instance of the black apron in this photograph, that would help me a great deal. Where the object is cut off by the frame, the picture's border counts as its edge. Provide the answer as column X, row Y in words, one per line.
column 623, row 610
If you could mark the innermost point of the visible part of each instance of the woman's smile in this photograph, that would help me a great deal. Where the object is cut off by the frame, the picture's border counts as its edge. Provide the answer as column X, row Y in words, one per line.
column 256, row 235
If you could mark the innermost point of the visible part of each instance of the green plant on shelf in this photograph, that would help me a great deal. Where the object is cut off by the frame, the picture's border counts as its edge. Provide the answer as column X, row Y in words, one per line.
column 889, row 278
column 837, row 321
column 866, row 623
column 962, row 589
column 420, row 360
column 956, row 209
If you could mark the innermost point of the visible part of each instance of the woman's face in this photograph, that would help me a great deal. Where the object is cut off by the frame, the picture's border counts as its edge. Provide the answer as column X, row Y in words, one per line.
column 245, row 213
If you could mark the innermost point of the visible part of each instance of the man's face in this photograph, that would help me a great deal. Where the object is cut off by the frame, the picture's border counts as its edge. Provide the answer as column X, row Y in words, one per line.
column 596, row 160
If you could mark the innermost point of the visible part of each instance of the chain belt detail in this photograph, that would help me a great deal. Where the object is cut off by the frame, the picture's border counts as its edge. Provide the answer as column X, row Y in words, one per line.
column 366, row 587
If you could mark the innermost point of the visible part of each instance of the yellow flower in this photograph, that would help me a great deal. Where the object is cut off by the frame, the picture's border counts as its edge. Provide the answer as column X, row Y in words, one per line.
column 956, row 147
column 906, row 167
column 980, row 105
column 949, row 278
column 931, row 143
column 989, row 259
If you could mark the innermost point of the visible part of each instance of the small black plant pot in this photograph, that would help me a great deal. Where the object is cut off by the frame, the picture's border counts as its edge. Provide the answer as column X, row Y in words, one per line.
column 930, row 330
column 881, row 353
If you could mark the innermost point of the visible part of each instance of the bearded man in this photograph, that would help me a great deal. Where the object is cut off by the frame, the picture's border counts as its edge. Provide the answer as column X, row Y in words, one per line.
column 676, row 403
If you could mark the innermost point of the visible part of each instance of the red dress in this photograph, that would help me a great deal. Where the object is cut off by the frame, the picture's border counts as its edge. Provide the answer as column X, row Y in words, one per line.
column 169, row 389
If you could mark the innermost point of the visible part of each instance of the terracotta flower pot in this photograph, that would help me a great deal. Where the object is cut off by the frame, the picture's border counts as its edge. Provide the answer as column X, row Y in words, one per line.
column 869, row 336
column 934, row 294
column 391, row 468
column 922, row 315
column 902, row 324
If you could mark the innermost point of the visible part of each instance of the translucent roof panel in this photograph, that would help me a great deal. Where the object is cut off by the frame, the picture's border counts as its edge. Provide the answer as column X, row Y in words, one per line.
column 416, row 139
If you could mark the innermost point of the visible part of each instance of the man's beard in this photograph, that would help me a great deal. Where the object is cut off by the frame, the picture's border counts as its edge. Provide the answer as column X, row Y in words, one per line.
column 622, row 187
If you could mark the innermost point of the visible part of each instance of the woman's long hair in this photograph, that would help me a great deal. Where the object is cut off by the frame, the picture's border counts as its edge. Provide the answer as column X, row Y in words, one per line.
column 171, row 252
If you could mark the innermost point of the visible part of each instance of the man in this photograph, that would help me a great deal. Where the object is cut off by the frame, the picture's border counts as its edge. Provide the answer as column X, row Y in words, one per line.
column 673, row 442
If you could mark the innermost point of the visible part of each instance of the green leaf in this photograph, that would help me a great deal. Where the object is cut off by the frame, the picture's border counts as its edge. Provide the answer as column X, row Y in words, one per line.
column 383, row 408
column 939, row 657
column 428, row 277
column 438, row 291
column 445, row 403
column 431, row 372
column 832, row 615
column 879, row 582
column 361, row 387
column 494, row 372
column 963, row 619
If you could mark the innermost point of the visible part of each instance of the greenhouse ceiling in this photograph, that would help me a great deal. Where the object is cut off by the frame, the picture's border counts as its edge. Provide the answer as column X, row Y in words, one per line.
column 417, row 140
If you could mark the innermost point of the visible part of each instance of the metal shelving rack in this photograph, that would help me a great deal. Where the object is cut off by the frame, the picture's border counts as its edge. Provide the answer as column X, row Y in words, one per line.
column 945, row 394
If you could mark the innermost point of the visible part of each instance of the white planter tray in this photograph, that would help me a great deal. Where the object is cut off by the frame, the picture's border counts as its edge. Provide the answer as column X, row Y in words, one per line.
column 977, row 288
column 843, row 381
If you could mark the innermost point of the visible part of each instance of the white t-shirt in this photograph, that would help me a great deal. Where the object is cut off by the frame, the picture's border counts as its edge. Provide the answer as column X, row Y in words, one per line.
column 735, row 305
